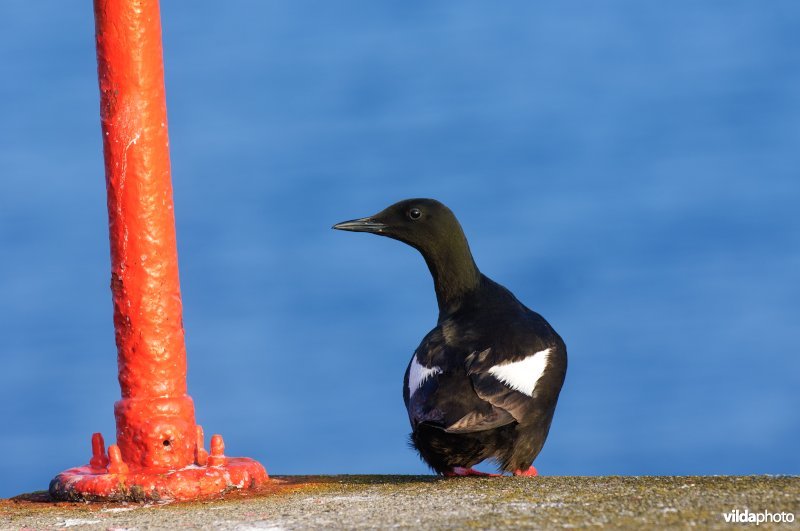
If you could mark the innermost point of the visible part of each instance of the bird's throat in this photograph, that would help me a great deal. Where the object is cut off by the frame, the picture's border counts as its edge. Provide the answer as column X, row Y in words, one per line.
column 454, row 273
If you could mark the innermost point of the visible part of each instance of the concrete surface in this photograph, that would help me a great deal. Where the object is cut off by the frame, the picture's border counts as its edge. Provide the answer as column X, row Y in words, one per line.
column 427, row 502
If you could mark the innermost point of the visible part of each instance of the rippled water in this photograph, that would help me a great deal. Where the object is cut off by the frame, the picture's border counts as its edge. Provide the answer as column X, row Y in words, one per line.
column 629, row 170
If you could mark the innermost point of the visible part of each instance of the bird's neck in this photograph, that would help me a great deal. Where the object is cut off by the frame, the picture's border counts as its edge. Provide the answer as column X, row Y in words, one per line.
column 454, row 273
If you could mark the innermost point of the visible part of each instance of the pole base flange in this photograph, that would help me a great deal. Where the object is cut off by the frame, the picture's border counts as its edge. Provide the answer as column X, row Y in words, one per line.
column 191, row 483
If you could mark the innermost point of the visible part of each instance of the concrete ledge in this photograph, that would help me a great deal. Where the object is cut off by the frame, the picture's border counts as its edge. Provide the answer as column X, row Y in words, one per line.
column 325, row 502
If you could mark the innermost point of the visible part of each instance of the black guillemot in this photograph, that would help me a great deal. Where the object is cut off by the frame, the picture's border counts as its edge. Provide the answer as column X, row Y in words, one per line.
column 484, row 383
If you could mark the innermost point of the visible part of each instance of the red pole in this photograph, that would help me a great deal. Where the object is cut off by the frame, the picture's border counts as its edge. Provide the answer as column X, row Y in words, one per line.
column 156, row 430
column 144, row 258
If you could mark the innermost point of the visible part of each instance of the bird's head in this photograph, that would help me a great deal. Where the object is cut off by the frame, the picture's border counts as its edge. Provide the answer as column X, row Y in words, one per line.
column 425, row 224
column 432, row 229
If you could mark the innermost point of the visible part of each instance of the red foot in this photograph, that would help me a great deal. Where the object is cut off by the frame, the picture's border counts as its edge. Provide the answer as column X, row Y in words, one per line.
column 531, row 472
column 461, row 472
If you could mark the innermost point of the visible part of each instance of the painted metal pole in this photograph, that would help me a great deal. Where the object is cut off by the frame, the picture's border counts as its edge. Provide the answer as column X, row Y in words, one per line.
column 159, row 452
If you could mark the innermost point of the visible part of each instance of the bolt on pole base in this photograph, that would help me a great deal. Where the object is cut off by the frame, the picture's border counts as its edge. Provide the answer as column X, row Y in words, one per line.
column 108, row 478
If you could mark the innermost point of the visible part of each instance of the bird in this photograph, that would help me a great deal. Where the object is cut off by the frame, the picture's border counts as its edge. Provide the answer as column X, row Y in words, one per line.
column 484, row 382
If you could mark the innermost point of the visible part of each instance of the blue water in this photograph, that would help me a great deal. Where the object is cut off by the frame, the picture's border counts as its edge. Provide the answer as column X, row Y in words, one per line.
column 631, row 170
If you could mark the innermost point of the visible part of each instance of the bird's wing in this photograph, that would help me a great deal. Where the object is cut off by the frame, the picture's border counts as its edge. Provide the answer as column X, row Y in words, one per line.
column 419, row 384
column 481, row 421
column 445, row 398
column 508, row 383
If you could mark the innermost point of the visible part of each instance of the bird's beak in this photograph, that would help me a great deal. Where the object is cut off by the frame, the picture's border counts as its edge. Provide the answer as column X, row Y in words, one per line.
column 361, row 225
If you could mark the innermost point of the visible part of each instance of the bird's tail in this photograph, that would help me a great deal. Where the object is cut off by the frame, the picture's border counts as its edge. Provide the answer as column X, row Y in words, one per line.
column 443, row 451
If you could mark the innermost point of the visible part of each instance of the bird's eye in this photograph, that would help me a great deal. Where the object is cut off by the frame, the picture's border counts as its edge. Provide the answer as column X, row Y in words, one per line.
column 414, row 213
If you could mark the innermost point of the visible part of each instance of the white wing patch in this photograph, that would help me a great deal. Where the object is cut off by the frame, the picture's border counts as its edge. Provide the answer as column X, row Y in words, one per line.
column 417, row 375
column 522, row 375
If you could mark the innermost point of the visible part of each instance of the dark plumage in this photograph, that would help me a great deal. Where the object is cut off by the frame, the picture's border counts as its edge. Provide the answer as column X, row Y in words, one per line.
column 484, row 383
